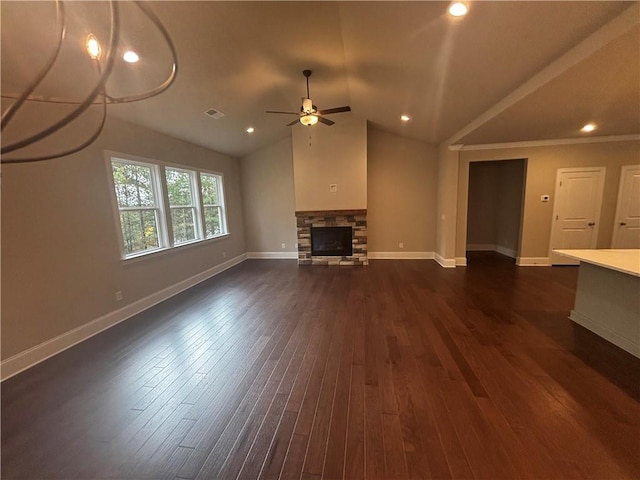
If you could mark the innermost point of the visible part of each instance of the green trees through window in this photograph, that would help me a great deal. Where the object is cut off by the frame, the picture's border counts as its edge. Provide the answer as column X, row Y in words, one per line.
column 195, row 205
column 180, row 185
column 137, row 203
column 213, row 218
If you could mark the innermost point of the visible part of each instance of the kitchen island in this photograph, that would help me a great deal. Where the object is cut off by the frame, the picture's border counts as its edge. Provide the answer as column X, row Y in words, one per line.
column 608, row 295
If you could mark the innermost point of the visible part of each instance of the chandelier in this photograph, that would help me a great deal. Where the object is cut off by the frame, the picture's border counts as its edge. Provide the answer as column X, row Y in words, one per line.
column 102, row 57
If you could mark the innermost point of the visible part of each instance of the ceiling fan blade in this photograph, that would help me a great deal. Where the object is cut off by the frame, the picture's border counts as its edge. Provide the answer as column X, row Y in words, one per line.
column 328, row 111
column 293, row 123
column 288, row 113
column 326, row 121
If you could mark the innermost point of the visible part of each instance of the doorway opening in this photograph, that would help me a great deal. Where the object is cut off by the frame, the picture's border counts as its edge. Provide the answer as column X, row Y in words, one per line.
column 495, row 207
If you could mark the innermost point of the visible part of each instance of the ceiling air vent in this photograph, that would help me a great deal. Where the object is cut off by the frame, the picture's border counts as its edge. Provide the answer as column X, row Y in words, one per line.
column 213, row 113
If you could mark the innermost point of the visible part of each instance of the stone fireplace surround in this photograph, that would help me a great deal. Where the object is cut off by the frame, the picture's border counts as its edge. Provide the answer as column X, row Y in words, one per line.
column 356, row 219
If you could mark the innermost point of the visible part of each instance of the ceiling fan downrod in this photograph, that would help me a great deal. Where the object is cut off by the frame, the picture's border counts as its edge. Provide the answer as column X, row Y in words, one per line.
column 307, row 74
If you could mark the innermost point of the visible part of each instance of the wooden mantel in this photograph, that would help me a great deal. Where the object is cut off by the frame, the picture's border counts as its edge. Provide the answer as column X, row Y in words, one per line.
column 328, row 213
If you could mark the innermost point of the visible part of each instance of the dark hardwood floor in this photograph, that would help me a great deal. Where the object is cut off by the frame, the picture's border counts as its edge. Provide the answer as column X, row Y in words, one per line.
column 401, row 369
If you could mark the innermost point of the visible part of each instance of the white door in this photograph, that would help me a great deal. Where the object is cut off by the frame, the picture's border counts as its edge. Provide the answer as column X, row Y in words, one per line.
column 576, row 211
column 626, row 229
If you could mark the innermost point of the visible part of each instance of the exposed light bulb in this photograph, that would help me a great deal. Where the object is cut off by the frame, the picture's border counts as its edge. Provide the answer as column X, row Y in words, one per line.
column 589, row 127
column 308, row 120
column 405, row 118
column 251, row 130
column 130, row 56
column 93, row 47
column 458, row 9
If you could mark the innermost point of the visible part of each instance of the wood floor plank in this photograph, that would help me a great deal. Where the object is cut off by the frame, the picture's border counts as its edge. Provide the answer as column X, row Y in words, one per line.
column 242, row 398
column 355, row 439
column 316, row 450
column 397, row 370
column 333, row 461
column 279, row 446
column 374, row 436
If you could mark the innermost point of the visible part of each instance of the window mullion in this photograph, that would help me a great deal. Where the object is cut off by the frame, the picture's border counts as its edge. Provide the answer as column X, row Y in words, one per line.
column 200, row 210
column 221, row 202
column 164, row 211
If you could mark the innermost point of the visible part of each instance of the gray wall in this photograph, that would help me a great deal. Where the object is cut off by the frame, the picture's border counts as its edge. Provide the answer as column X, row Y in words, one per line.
column 401, row 192
column 269, row 199
column 61, row 263
column 323, row 156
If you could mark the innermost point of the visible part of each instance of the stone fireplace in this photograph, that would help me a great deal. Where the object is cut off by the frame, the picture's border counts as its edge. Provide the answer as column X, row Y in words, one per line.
column 323, row 237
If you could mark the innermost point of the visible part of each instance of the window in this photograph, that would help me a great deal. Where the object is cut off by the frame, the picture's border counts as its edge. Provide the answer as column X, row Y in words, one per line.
column 212, row 204
column 194, row 205
column 139, row 206
column 182, row 203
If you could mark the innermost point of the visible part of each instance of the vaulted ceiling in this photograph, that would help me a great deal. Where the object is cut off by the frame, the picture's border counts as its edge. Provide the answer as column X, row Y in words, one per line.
column 507, row 71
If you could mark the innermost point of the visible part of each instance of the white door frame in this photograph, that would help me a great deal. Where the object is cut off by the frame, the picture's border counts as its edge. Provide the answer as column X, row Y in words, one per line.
column 556, row 206
column 616, row 218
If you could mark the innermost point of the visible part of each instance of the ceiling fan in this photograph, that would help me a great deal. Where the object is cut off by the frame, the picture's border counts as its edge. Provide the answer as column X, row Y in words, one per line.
column 309, row 113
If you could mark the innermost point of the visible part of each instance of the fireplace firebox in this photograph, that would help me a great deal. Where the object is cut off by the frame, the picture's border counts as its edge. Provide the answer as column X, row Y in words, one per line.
column 331, row 241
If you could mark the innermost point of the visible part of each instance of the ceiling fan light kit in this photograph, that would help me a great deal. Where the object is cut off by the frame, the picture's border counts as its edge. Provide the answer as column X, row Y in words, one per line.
column 308, row 120
column 309, row 114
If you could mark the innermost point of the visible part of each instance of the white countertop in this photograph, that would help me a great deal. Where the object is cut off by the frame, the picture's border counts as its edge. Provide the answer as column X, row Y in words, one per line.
column 625, row 261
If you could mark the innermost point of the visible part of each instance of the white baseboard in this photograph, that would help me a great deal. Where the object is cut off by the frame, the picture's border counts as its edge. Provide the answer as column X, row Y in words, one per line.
column 34, row 355
column 400, row 255
column 490, row 247
column 482, row 247
column 274, row 255
column 506, row 251
column 533, row 262
column 445, row 262
column 461, row 261
column 625, row 343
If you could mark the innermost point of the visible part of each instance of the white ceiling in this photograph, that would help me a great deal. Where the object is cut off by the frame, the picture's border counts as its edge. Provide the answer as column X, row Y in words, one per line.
column 383, row 59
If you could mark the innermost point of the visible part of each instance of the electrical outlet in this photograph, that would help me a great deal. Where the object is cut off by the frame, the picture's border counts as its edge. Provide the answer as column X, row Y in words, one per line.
column 296, row 246
column 282, row 245
column 401, row 245
column 333, row 188
column 224, row 254
column 119, row 296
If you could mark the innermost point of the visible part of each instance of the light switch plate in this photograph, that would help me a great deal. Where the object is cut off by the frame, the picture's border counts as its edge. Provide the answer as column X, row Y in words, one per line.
column 333, row 188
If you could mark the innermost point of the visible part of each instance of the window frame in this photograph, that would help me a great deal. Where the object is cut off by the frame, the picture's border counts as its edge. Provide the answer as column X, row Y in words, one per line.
column 220, row 205
column 161, row 196
column 160, row 214
column 196, row 205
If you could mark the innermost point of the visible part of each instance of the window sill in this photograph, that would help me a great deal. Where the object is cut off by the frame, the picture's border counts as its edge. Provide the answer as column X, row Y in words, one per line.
column 160, row 252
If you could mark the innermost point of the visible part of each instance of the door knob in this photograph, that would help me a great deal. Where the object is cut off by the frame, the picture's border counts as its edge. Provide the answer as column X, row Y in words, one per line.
column 622, row 224
column 591, row 224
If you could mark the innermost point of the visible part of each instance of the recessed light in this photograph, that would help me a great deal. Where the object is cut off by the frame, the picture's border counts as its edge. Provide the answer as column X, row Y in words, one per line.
column 130, row 56
column 405, row 118
column 589, row 127
column 93, row 47
column 251, row 130
column 458, row 9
